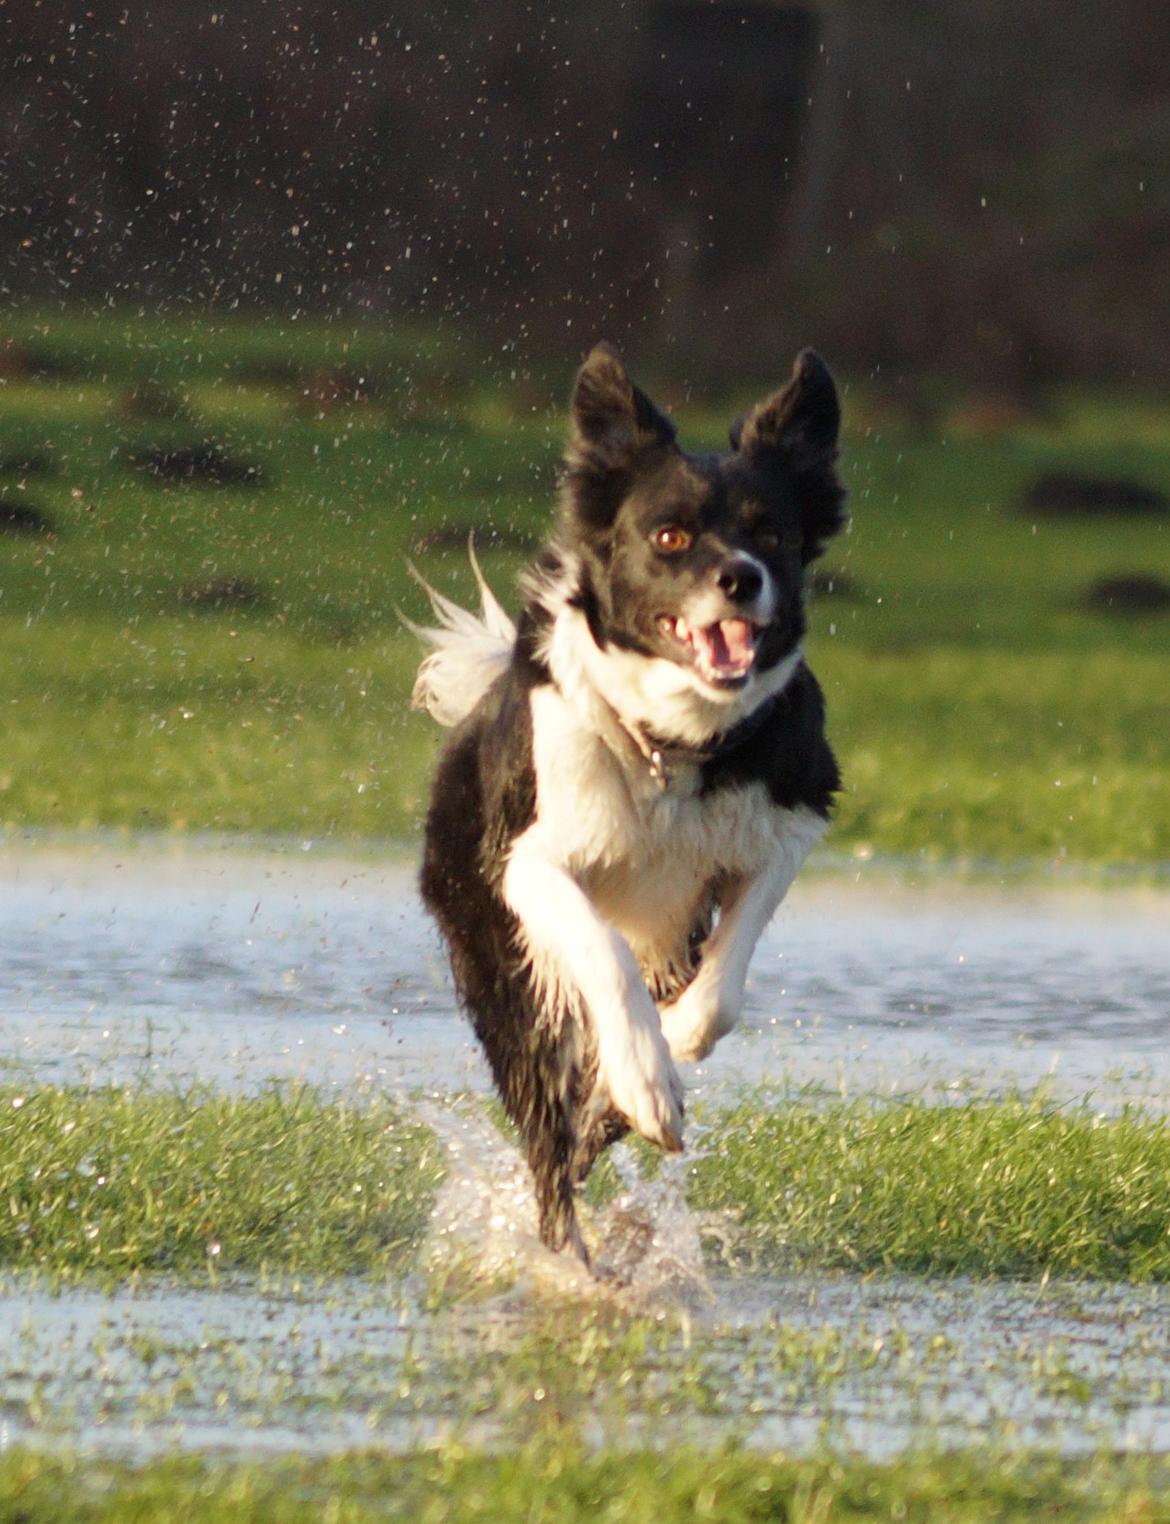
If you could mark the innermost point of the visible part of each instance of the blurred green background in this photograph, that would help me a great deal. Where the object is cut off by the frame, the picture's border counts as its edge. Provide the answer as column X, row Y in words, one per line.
column 217, row 648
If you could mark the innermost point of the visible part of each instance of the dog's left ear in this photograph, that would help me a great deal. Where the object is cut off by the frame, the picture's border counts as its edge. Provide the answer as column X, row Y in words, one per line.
column 798, row 426
column 802, row 419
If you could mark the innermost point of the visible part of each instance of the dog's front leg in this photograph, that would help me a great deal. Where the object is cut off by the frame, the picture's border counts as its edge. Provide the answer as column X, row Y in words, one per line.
column 583, row 961
column 710, row 1005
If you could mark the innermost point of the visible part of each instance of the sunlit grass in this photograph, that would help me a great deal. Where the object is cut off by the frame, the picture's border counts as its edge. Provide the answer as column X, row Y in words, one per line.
column 126, row 346
column 161, row 726
column 561, row 1482
column 954, row 753
column 979, row 709
column 1008, row 1188
column 114, row 1183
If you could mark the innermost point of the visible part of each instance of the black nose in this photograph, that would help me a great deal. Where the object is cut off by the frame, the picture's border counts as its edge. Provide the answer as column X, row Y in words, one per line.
column 740, row 579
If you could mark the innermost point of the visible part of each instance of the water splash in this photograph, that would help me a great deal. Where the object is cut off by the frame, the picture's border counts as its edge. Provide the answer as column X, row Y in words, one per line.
column 649, row 1240
column 645, row 1244
column 483, row 1231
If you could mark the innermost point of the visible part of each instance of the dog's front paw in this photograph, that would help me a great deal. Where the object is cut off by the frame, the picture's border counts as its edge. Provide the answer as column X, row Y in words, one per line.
column 693, row 1024
column 638, row 1076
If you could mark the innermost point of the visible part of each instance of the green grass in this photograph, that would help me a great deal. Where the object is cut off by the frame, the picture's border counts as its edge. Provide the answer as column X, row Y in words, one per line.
column 980, row 711
column 1010, row 1188
column 1054, row 755
column 560, row 1483
column 112, row 1183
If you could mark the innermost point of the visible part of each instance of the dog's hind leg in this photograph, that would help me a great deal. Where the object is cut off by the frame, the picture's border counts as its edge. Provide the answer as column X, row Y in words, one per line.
column 551, row 1114
column 597, row 1134
column 550, row 1159
column 537, row 1073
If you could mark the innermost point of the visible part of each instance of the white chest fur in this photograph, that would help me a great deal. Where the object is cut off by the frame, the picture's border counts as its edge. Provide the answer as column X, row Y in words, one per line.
column 646, row 856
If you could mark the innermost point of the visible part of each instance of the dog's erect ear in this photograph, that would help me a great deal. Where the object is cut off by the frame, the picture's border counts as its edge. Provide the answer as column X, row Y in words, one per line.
column 612, row 427
column 798, row 426
column 610, row 416
column 801, row 420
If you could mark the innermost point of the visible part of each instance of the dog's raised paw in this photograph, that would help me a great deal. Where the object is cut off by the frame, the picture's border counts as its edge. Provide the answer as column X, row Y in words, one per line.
column 638, row 1077
column 693, row 1024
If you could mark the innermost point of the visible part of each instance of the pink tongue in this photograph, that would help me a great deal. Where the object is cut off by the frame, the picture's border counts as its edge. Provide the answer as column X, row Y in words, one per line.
column 729, row 646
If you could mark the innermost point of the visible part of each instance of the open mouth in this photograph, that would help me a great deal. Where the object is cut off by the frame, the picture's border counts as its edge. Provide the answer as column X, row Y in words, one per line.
column 722, row 652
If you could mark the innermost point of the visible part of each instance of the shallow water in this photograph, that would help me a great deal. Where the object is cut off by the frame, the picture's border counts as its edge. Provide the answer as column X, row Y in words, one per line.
column 869, row 1366
column 175, row 965
column 235, row 969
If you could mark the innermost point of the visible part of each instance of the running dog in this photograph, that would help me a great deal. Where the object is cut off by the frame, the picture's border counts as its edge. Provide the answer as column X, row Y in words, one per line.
column 638, row 765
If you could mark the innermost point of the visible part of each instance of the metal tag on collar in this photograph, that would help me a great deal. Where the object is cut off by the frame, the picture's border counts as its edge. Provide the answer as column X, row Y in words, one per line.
column 658, row 768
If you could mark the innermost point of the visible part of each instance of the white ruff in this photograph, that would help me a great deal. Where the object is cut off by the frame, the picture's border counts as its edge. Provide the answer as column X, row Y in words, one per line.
column 608, row 882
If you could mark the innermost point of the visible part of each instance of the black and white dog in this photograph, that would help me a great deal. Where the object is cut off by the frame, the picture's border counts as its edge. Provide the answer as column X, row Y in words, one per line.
column 638, row 766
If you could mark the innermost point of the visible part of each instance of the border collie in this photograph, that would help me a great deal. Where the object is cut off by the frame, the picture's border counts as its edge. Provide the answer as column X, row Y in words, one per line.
column 638, row 765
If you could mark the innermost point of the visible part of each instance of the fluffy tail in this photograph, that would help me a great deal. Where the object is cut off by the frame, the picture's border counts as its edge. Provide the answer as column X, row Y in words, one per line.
column 468, row 651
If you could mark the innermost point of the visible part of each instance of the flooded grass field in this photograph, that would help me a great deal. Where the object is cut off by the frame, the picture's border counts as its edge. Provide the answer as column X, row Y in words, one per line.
column 182, row 963
column 256, row 1204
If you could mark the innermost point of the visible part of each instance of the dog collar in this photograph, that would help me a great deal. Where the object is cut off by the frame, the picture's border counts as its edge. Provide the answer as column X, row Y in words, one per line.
column 664, row 758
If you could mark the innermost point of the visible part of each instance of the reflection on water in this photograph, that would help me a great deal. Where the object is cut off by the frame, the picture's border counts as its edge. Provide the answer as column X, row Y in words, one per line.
column 214, row 965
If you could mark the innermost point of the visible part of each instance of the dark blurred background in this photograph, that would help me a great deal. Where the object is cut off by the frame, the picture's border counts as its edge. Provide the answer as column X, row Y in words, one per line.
column 978, row 186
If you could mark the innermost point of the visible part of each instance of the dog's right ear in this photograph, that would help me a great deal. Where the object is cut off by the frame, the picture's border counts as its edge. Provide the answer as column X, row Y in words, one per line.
column 798, row 427
column 609, row 416
column 612, row 425
column 800, row 422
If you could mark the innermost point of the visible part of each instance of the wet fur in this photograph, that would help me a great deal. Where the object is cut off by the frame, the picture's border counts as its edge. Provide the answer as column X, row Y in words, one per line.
column 608, row 832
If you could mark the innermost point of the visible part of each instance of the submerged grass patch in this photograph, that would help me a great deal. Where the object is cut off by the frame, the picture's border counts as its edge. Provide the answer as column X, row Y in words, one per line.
column 561, row 1483
column 113, row 1183
column 1009, row 1188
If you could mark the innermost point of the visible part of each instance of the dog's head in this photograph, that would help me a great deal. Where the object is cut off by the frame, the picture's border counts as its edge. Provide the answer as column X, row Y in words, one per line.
column 698, row 560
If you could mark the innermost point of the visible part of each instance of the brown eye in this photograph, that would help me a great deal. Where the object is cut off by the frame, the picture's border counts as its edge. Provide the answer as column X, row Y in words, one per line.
column 672, row 539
